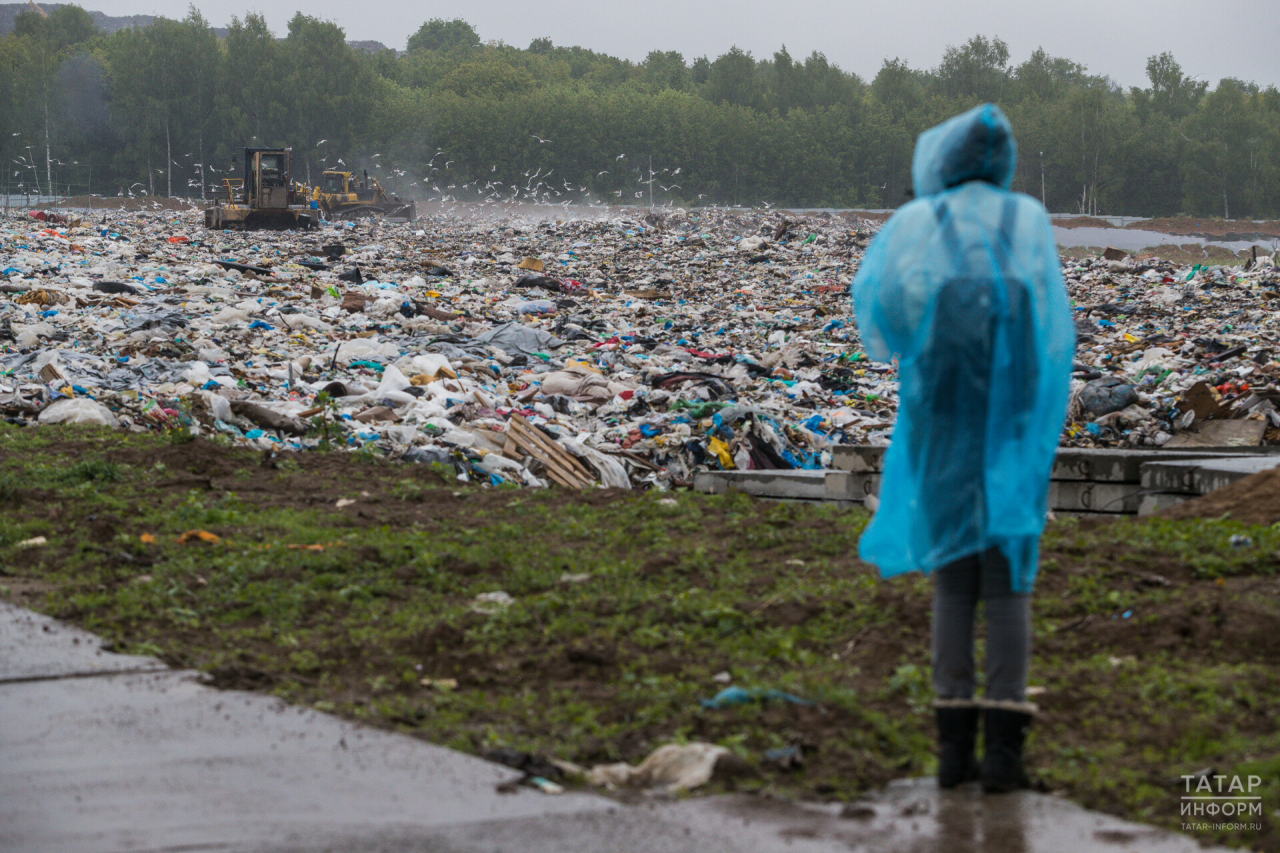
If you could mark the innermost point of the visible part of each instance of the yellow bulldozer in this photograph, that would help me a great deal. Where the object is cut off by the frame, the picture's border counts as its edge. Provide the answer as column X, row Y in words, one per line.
column 341, row 195
column 265, row 198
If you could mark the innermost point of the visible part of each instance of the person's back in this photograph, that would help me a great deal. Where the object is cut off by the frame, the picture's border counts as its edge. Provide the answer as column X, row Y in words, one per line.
column 963, row 287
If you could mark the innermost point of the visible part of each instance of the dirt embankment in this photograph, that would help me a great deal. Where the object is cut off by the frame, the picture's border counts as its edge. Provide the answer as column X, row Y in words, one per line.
column 1082, row 222
column 98, row 202
column 1222, row 229
column 1253, row 500
column 1187, row 226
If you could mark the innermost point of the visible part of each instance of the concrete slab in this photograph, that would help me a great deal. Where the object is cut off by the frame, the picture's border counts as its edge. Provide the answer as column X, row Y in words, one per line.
column 1064, row 495
column 1194, row 477
column 1084, row 496
column 800, row 485
column 1071, row 463
column 1151, row 503
column 1241, row 433
column 33, row 646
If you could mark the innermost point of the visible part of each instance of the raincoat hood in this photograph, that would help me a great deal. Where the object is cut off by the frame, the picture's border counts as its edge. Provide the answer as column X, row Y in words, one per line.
column 973, row 146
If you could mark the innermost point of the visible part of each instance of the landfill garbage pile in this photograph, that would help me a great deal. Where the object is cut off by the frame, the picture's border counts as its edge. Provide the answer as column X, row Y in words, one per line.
column 609, row 350
column 612, row 348
column 1165, row 351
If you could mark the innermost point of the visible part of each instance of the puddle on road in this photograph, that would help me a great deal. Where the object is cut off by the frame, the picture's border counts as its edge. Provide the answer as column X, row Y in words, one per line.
column 914, row 816
column 1134, row 240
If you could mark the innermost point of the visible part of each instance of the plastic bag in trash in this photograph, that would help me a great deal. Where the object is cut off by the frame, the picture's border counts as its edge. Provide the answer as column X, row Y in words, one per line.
column 77, row 410
column 670, row 767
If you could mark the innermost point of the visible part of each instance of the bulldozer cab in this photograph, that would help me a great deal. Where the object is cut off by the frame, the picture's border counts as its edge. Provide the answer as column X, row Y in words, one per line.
column 266, row 177
column 335, row 182
column 263, row 198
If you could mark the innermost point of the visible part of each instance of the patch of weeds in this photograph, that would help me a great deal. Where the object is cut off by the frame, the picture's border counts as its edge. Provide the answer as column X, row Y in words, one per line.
column 90, row 471
column 409, row 490
column 912, row 681
column 9, row 485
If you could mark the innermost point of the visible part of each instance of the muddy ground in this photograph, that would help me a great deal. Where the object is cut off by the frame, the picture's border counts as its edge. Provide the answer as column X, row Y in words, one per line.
column 1156, row 642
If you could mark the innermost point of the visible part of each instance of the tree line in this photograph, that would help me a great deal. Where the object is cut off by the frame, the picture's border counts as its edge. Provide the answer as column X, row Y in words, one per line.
column 162, row 110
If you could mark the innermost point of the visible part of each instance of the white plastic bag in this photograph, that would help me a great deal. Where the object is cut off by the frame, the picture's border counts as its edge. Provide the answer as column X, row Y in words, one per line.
column 77, row 410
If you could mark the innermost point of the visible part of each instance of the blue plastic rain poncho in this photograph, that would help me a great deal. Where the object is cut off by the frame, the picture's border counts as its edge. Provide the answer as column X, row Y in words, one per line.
column 963, row 287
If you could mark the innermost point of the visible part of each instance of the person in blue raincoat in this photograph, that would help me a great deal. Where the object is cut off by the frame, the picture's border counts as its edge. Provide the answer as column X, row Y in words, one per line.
column 963, row 288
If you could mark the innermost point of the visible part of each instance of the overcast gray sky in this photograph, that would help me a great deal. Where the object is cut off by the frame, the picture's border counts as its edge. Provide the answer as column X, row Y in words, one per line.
column 1210, row 38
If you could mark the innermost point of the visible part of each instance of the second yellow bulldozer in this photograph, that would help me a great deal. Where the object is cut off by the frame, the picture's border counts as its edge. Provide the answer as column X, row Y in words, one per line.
column 341, row 195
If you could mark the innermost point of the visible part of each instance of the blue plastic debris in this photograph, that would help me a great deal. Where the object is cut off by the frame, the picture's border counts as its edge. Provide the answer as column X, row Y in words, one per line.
column 741, row 696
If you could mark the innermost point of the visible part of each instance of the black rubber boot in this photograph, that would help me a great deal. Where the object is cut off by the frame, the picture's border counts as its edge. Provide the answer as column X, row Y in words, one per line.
column 957, row 733
column 1004, row 732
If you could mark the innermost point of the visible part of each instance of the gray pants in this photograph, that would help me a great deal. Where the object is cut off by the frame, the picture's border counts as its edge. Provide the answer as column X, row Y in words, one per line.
column 958, row 586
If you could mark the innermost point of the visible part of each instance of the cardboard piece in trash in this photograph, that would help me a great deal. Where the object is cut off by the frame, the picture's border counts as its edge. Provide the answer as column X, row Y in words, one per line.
column 1199, row 399
column 1239, row 433
column 50, row 375
column 534, row 264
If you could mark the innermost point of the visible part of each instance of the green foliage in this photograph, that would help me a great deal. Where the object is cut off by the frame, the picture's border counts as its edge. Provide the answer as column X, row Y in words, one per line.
column 438, row 34
column 163, row 109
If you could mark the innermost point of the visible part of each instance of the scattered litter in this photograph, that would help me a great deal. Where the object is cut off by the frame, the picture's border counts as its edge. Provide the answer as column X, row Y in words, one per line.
column 439, row 683
column 785, row 757
column 489, row 603
column 741, row 696
column 33, row 542
column 539, row 771
column 197, row 536
column 342, row 503
column 546, row 786
column 671, row 767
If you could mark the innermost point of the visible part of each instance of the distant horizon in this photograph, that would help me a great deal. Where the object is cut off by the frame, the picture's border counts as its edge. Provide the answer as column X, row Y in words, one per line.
column 1110, row 39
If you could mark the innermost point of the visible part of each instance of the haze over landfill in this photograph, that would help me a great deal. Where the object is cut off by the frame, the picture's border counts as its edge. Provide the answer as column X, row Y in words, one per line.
column 1109, row 38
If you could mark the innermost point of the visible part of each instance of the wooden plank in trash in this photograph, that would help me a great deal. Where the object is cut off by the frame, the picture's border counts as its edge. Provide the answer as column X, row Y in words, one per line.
column 561, row 466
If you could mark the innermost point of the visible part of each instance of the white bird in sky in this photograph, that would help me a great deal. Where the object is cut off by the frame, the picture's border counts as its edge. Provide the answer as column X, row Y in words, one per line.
column 341, row 161
column 322, row 142
column 672, row 187
column 677, row 171
column 605, row 172
column 620, row 156
column 541, row 141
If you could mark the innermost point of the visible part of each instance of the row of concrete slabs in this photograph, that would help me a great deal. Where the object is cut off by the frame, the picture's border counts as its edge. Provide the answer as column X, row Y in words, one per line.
column 1084, row 481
